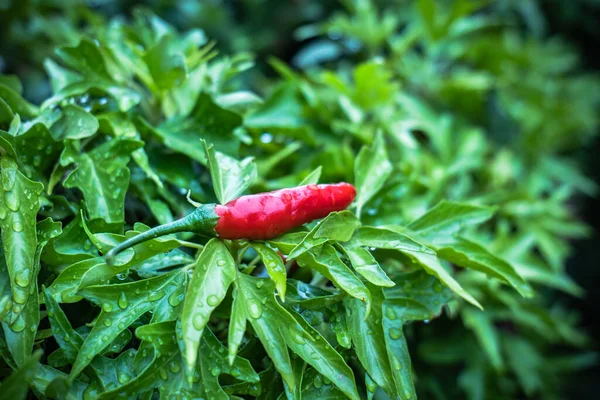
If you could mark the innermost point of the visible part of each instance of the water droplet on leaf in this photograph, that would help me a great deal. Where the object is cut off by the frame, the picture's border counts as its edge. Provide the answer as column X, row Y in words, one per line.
column 123, row 303
column 12, row 201
column 255, row 309
column 212, row 300
column 23, row 278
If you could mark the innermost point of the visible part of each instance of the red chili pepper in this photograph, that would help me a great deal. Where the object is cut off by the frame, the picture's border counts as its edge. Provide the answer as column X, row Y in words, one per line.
column 255, row 217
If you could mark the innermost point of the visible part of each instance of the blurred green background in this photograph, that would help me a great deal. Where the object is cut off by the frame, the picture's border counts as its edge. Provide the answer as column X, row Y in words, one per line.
column 30, row 29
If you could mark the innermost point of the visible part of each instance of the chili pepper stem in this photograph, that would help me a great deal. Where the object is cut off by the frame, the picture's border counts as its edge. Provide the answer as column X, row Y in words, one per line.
column 202, row 220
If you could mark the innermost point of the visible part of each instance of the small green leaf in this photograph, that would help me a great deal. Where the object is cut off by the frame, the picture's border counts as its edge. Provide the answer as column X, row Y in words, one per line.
column 482, row 326
column 367, row 266
column 167, row 67
column 274, row 265
column 336, row 226
column 207, row 121
column 214, row 272
column 371, row 170
column 468, row 254
column 230, row 177
column 19, row 205
column 313, row 177
column 103, row 177
column 447, row 218
column 366, row 331
column 327, row 262
column 67, row 338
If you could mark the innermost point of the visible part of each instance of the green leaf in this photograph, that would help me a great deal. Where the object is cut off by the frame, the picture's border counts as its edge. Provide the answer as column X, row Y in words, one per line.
column 471, row 255
column 16, row 103
column 327, row 262
column 398, row 355
column 447, row 218
column 277, row 328
column 71, row 246
column 371, row 170
column 103, row 177
column 367, row 266
column 20, row 333
column 418, row 253
column 90, row 72
column 420, row 297
column 336, row 226
column 214, row 272
column 274, row 265
column 312, row 178
column 366, row 331
column 482, row 326
column 282, row 111
column 16, row 386
column 19, row 205
column 207, row 121
column 73, row 123
column 36, row 149
column 230, row 177
column 67, row 338
column 167, row 68
column 121, row 306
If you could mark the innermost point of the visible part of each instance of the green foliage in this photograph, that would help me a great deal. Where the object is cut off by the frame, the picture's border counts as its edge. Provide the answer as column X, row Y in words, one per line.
column 455, row 121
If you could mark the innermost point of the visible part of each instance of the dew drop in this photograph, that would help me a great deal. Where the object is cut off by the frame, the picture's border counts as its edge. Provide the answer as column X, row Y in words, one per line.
column 163, row 374
column 18, row 325
column 17, row 226
column 297, row 336
column 371, row 386
column 396, row 364
column 176, row 298
column 212, row 300
column 390, row 313
column 123, row 377
column 221, row 262
column 123, row 303
column 2, row 212
column 344, row 340
column 107, row 307
column 318, row 382
column 108, row 322
column 12, row 201
column 215, row 371
column 255, row 309
column 23, row 278
column 198, row 321
column 174, row 367
column 8, row 179
column 159, row 294
column 260, row 283
column 437, row 287
column 395, row 333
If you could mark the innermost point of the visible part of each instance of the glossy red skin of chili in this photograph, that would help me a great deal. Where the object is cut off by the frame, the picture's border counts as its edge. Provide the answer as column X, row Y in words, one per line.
column 267, row 215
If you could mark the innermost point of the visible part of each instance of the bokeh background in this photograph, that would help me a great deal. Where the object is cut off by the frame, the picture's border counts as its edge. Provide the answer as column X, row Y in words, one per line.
column 30, row 29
